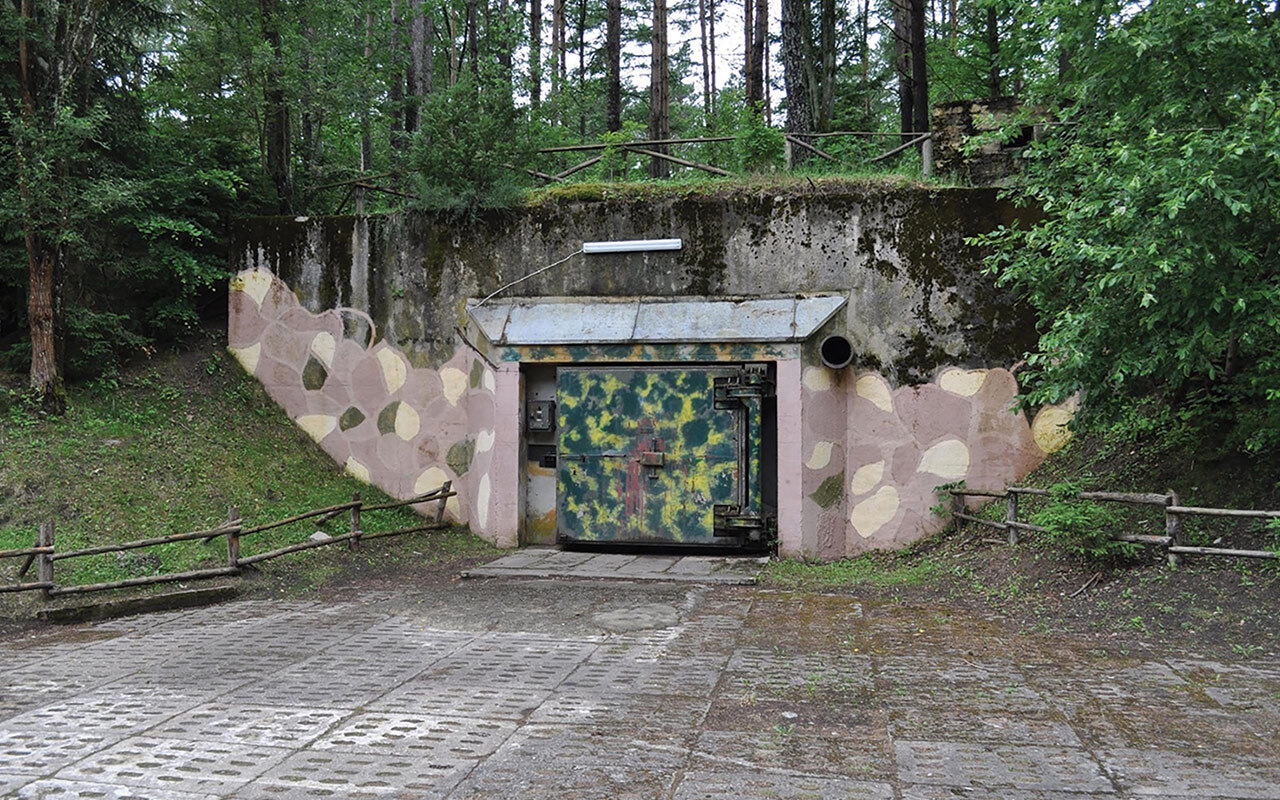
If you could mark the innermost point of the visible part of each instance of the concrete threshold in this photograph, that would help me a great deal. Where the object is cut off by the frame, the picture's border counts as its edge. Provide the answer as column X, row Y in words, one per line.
column 560, row 564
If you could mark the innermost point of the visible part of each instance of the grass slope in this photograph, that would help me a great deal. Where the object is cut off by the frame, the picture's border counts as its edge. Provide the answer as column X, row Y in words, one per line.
column 167, row 447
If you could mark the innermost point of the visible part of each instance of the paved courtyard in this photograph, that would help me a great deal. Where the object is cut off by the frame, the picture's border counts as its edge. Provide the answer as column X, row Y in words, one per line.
column 598, row 689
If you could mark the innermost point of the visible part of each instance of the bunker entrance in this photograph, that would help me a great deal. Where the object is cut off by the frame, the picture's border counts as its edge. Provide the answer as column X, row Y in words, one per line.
column 661, row 455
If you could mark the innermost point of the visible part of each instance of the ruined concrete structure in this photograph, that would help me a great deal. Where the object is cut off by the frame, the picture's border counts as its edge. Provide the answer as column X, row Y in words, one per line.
column 698, row 396
column 959, row 124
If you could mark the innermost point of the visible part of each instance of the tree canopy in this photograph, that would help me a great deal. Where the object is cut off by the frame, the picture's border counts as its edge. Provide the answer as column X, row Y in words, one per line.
column 137, row 131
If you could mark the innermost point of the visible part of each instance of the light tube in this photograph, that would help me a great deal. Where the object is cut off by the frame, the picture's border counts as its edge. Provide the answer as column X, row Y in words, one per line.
column 632, row 246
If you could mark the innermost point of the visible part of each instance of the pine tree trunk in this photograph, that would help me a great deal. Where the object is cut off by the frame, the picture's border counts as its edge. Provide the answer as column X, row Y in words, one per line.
column 535, row 54
column 613, row 51
column 395, row 93
column 277, row 110
column 582, row 69
column 902, row 62
column 711, row 31
column 557, row 54
column 419, row 80
column 761, row 19
column 795, row 79
column 706, row 67
column 473, row 42
column 919, row 73
column 993, row 52
column 827, row 36
column 659, row 88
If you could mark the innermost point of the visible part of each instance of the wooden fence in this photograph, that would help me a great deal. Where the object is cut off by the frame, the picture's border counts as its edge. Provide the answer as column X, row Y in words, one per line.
column 1173, row 541
column 44, row 554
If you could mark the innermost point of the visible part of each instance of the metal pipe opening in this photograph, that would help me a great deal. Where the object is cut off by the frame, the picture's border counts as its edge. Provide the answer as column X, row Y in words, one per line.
column 836, row 351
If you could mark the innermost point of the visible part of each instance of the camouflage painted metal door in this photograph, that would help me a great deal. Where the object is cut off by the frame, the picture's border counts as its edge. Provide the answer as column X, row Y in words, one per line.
column 648, row 455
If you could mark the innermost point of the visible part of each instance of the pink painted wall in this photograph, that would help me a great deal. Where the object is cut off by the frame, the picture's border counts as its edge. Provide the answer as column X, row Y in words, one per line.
column 402, row 428
column 858, row 460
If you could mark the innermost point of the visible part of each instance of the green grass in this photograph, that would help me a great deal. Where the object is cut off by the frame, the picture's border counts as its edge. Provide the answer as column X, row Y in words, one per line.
column 167, row 448
column 882, row 570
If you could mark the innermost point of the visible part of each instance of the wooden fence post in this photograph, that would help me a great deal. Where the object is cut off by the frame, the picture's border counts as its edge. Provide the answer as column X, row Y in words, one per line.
column 233, row 538
column 957, row 508
column 354, row 542
column 1172, row 527
column 444, row 499
column 1011, row 516
column 44, row 561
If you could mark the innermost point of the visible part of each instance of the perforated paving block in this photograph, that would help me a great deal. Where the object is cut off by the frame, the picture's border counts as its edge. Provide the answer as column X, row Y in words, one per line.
column 775, row 673
column 674, row 714
column 1159, row 773
column 434, row 739
column 788, row 747
column 250, row 725
column 314, row 774
column 106, row 711
column 78, row 790
column 993, row 766
column 426, row 696
column 41, row 751
column 504, row 659
column 755, row 785
column 200, row 767
column 592, row 747
column 511, row 780
column 610, row 673
column 969, row 725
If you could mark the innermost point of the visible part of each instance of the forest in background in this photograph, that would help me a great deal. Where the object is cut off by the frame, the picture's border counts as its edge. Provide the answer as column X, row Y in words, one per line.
column 138, row 130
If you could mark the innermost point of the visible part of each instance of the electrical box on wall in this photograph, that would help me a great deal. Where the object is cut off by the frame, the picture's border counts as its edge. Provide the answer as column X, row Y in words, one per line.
column 542, row 415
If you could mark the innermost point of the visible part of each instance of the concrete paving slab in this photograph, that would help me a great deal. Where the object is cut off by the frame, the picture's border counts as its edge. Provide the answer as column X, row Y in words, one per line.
column 716, row 570
column 74, row 790
column 488, row 689
column 753, row 785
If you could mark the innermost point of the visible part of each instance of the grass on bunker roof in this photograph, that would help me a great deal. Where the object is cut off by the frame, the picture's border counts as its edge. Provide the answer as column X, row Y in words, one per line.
column 1225, row 607
column 165, row 447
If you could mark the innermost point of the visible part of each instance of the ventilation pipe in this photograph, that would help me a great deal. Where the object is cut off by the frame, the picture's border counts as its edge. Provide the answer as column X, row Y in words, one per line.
column 836, row 351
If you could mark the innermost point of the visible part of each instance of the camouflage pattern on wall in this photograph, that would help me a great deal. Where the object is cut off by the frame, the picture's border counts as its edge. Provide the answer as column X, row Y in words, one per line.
column 614, row 421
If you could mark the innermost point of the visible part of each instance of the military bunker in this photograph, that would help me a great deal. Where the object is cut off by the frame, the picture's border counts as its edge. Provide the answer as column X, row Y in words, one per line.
column 802, row 373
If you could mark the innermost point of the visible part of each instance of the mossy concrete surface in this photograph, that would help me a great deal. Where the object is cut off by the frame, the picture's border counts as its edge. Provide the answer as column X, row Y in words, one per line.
column 918, row 297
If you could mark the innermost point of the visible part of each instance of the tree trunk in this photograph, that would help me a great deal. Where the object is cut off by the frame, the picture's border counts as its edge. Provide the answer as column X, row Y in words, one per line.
column 558, row 53
column 420, row 56
column 755, row 27
column 864, row 52
column 277, row 111
column 535, row 54
column 711, row 31
column 993, row 52
column 827, row 37
column 395, row 93
column 902, row 63
column 473, row 42
column 505, row 47
column 706, row 67
column 659, row 88
column 582, row 69
column 44, row 319
column 919, row 73
column 613, row 51
column 794, row 77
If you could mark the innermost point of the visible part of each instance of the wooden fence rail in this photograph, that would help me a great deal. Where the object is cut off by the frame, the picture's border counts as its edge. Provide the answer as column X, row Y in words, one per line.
column 44, row 553
column 1172, row 540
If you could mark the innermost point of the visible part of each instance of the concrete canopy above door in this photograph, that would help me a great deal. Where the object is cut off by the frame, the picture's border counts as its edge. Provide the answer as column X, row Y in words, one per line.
column 532, row 322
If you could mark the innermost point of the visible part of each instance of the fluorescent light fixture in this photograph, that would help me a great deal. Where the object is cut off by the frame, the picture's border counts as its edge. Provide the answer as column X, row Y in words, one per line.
column 632, row 246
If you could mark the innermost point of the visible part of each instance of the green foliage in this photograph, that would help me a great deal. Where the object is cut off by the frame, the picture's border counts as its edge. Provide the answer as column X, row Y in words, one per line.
column 1080, row 527
column 1153, row 268
column 759, row 147
column 463, row 153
